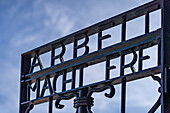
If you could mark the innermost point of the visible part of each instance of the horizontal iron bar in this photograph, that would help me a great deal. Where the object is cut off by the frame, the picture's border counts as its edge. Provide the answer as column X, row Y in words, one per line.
column 103, row 25
column 114, row 51
column 113, row 81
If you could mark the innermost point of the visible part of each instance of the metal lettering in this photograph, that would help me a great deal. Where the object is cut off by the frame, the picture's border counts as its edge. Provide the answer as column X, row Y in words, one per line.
column 34, row 64
column 131, row 63
column 55, row 82
column 84, row 44
column 100, row 38
column 36, row 86
column 108, row 68
column 60, row 56
column 47, row 85
column 141, row 58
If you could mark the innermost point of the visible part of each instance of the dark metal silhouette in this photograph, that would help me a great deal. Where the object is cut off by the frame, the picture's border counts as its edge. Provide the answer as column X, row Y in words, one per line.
column 30, row 80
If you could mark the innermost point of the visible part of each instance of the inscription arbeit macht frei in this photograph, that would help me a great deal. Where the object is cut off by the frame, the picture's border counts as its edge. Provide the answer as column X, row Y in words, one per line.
column 51, row 84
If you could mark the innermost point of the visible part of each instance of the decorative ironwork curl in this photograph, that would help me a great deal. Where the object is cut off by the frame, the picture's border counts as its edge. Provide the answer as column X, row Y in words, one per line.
column 111, row 87
column 158, row 79
column 158, row 102
column 110, row 95
column 60, row 106
column 112, row 91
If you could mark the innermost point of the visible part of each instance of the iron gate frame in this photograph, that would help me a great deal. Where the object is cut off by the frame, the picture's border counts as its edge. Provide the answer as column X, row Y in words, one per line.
column 84, row 101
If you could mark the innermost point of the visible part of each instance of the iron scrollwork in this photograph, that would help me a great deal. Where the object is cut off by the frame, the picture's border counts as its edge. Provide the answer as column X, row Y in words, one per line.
column 158, row 102
column 60, row 106
column 88, row 100
column 111, row 87
column 110, row 95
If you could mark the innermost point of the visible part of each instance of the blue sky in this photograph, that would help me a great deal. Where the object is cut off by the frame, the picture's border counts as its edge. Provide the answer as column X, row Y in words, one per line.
column 27, row 24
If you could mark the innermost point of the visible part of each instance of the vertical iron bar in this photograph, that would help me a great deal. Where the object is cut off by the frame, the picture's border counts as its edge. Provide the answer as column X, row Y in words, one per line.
column 28, row 91
column 64, row 79
column 52, row 55
column 140, row 61
column 123, row 95
column 25, row 66
column 123, row 30
column 165, row 56
column 75, row 50
column 159, row 53
column 82, row 93
column 38, row 88
column 73, row 78
column 107, row 70
column 50, row 104
column 123, row 101
column 81, row 77
column 141, row 49
column 99, row 41
column 147, row 22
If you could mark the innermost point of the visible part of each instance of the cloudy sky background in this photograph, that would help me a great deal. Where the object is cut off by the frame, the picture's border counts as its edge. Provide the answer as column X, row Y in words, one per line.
column 27, row 24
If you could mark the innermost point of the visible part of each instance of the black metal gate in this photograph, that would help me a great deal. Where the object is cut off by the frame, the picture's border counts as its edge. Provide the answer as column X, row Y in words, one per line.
column 47, row 78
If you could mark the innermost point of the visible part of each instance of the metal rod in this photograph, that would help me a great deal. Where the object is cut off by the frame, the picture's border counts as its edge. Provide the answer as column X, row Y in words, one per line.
column 26, row 61
column 73, row 78
column 159, row 53
column 99, row 41
column 81, row 77
column 123, row 30
column 50, row 104
column 140, row 61
column 165, row 56
column 107, row 70
column 147, row 22
column 81, row 108
column 123, row 94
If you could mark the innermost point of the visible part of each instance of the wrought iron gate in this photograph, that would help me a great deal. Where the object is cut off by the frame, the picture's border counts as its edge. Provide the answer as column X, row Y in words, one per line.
column 31, row 80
